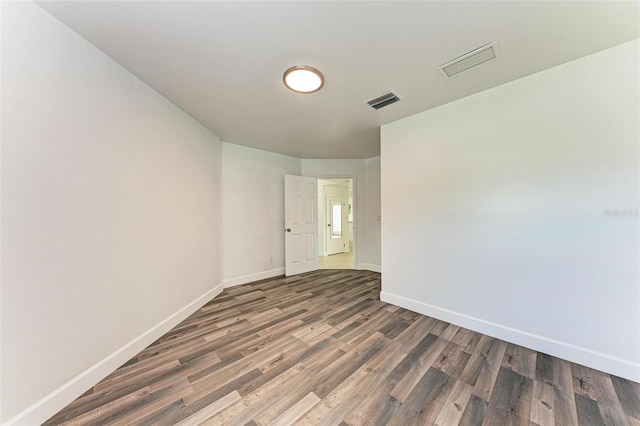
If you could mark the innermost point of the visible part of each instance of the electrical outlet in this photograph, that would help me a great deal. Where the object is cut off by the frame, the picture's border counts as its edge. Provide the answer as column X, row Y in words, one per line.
column 270, row 260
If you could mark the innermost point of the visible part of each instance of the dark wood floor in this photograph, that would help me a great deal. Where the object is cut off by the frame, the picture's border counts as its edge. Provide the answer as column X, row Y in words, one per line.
column 321, row 348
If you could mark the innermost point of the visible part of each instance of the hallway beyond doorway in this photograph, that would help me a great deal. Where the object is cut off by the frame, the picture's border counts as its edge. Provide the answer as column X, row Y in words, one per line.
column 336, row 223
column 336, row 261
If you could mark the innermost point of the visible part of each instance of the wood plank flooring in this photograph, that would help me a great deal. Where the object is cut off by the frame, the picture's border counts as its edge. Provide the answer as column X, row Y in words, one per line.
column 321, row 349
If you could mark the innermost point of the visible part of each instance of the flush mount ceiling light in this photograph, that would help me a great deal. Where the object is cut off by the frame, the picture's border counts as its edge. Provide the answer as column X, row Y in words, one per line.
column 303, row 79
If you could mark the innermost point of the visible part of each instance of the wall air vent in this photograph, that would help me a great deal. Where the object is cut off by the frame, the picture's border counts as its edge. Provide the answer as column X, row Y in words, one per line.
column 383, row 100
column 479, row 56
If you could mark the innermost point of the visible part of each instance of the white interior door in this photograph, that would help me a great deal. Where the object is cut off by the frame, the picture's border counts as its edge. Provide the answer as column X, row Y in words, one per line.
column 301, row 224
column 336, row 215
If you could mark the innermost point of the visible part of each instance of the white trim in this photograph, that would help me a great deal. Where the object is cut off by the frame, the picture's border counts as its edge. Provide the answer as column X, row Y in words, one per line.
column 367, row 267
column 580, row 355
column 46, row 407
column 252, row 277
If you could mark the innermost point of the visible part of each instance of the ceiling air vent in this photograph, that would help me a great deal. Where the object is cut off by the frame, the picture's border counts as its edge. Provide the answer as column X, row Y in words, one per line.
column 383, row 100
column 479, row 56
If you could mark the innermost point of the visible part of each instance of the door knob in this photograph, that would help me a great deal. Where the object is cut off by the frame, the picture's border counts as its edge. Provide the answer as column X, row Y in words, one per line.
column 288, row 229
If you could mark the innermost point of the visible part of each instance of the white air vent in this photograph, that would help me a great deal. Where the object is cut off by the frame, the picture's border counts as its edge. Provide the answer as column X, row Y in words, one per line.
column 383, row 100
column 479, row 56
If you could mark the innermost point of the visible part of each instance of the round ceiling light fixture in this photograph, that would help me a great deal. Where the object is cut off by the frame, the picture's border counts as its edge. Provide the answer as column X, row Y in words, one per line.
column 303, row 79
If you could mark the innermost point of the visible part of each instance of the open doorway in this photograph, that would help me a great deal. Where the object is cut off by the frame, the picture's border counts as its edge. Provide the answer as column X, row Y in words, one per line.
column 336, row 224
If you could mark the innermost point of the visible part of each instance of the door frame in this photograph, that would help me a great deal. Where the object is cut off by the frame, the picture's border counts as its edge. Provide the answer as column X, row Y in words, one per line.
column 354, row 181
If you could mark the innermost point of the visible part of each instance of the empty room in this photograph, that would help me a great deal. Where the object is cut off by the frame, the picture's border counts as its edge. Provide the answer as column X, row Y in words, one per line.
column 320, row 213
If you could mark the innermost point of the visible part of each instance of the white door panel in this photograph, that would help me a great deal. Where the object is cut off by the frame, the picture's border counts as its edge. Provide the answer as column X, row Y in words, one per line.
column 301, row 227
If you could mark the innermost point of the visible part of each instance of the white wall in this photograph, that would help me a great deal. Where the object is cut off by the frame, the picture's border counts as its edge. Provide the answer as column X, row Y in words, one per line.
column 365, row 231
column 109, row 214
column 253, row 212
column 350, row 217
column 253, row 209
column 373, row 210
column 494, row 211
column 322, row 233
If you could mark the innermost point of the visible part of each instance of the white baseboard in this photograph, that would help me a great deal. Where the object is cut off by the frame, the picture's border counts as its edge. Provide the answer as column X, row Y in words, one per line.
column 232, row 282
column 368, row 267
column 580, row 355
column 46, row 407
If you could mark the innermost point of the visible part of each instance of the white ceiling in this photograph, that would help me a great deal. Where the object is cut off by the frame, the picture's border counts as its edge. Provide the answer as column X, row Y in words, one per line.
column 222, row 62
